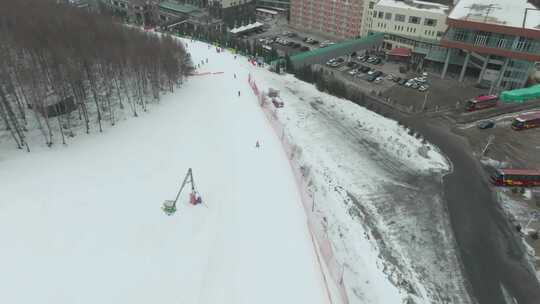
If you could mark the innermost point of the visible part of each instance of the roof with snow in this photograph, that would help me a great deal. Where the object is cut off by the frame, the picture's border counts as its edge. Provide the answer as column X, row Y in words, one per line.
column 263, row 10
column 509, row 13
column 520, row 171
column 247, row 27
column 177, row 7
column 330, row 49
column 415, row 5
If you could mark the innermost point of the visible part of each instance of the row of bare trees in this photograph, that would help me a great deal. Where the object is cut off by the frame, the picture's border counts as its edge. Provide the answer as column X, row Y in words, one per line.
column 50, row 53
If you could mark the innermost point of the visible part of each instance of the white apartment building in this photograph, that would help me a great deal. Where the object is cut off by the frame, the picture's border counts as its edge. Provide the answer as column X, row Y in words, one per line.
column 406, row 23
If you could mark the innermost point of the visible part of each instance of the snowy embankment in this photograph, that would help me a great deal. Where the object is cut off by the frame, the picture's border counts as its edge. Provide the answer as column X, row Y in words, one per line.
column 379, row 192
column 518, row 209
column 82, row 223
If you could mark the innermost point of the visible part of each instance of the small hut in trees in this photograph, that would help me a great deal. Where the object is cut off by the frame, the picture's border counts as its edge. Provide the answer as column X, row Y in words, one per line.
column 53, row 105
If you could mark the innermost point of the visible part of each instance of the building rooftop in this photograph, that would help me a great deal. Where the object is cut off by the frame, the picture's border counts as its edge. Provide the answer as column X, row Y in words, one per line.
column 246, row 27
column 509, row 13
column 415, row 5
column 177, row 7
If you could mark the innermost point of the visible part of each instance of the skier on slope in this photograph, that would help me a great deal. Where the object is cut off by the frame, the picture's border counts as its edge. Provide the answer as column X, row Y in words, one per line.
column 234, row 75
column 257, row 145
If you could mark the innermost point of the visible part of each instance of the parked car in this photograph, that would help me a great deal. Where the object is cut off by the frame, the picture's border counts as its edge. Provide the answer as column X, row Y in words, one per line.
column 420, row 79
column 486, row 124
column 415, row 85
column 423, row 88
column 402, row 81
column 304, row 49
column 397, row 79
column 377, row 73
column 314, row 42
column 371, row 59
column 409, row 83
column 390, row 76
column 338, row 62
column 362, row 58
column 352, row 64
column 371, row 78
column 377, row 61
column 378, row 79
column 365, row 69
column 353, row 72
column 326, row 43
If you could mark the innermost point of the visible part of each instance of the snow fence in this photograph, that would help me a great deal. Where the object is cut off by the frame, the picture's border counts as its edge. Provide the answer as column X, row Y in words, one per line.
column 321, row 242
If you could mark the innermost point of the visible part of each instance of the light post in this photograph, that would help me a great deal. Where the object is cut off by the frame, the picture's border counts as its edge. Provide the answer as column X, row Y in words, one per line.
column 425, row 101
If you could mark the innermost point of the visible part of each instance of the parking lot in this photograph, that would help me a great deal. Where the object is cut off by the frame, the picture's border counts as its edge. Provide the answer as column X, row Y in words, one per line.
column 279, row 36
column 412, row 91
column 519, row 149
column 416, row 91
column 509, row 149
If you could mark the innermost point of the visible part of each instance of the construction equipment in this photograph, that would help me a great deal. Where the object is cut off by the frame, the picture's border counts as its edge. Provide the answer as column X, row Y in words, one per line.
column 169, row 206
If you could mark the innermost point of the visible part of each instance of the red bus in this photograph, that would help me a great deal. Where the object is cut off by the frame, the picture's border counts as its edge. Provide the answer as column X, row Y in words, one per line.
column 526, row 121
column 481, row 102
column 516, row 177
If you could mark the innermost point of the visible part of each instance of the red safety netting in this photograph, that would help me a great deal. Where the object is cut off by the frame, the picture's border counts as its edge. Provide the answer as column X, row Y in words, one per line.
column 322, row 244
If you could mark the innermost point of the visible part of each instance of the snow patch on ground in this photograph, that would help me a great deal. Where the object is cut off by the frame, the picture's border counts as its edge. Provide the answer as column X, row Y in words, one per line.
column 494, row 163
column 520, row 213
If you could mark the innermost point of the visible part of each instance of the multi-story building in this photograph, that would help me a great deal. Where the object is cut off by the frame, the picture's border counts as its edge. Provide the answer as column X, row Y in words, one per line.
column 281, row 5
column 498, row 38
column 405, row 23
column 233, row 12
column 137, row 11
column 338, row 19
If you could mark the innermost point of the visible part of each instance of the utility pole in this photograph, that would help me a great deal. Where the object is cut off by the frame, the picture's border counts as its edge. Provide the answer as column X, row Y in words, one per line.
column 535, row 215
column 425, row 101
column 490, row 140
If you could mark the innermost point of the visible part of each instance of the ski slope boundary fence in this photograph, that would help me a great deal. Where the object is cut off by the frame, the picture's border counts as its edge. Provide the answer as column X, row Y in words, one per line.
column 323, row 247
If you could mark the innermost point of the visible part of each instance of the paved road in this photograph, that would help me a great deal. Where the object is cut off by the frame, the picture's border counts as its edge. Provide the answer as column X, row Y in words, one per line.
column 491, row 251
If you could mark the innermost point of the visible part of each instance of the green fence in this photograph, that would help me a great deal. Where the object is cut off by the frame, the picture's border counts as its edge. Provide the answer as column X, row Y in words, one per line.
column 521, row 95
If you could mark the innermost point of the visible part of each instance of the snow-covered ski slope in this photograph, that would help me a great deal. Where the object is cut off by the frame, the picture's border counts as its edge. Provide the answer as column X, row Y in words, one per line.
column 82, row 223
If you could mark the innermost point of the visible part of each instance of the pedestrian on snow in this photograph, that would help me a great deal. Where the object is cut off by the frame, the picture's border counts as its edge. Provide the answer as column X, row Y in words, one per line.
column 257, row 145
column 234, row 75
column 238, row 93
column 206, row 60
column 235, row 57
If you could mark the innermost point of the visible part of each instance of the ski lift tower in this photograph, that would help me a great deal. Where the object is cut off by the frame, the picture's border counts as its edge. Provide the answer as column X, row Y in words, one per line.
column 169, row 206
